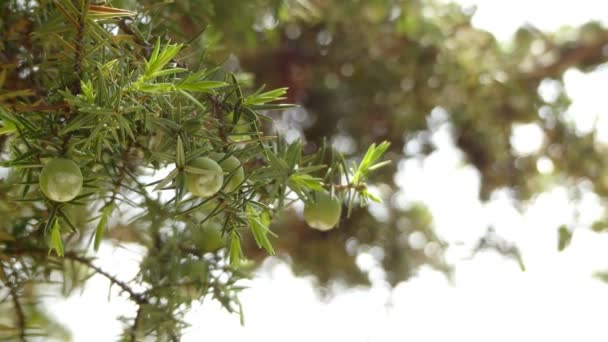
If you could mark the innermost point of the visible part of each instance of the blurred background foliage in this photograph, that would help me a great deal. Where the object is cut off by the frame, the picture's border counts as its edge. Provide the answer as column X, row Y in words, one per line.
column 367, row 71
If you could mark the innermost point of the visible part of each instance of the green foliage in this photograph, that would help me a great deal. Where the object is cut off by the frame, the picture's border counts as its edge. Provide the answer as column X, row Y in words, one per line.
column 56, row 244
column 564, row 238
column 101, row 98
column 134, row 91
column 367, row 163
column 259, row 221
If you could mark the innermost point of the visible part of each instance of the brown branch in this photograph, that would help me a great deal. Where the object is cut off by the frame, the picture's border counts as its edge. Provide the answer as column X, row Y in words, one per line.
column 121, row 173
column 138, row 298
column 18, row 308
column 343, row 187
column 216, row 105
column 571, row 57
column 126, row 28
column 55, row 108
column 76, row 88
column 19, row 312
column 133, row 336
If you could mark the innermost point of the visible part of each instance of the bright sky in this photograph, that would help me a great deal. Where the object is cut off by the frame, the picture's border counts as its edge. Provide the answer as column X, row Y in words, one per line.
column 556, row 299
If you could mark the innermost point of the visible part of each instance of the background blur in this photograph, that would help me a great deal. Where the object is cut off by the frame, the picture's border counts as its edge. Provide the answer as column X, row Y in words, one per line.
column 495, row 111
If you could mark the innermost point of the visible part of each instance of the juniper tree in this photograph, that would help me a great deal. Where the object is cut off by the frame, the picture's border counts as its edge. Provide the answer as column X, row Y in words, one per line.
column 363, row 72
column 103, row 120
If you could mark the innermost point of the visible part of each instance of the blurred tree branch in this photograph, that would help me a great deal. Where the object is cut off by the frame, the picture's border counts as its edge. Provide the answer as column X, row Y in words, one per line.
column 575, row 54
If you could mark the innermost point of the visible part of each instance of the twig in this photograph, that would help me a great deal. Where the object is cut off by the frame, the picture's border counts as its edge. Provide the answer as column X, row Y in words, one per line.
column 569, row 57
column 19, row 312
column 133, row 336
column 18, row 308
column 138, row 38
column 136, row 297
column 215, row 104
column 342, row 187
column 55, row 108
column 76, row 88
column 121, row 174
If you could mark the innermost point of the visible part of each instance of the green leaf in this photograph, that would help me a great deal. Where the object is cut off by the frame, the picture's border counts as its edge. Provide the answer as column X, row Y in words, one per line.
column 293, row 154
column 310, row 169
column 107, row 68
column 603, row 276
column 262, row 98
column 371, row 196
column 278, row 163
column 258, row 222
column 167, row 179
column 98, row 12
column 155, row 52
column 599, row 226
column 236, row 253
column 87, row 91
column 181, row 154
column 520, row 262
column 266, row 173
column 17, row 93
column 7, row 127
column 367, row 163
column 193, row 99
column 160, row 58
column 156, row 88
column 56, row 243
column 239, row 92
column 306, row 181
column 195, row 170
column 200, row 86
column 564, row 238
column 101, row 226
column 379, row 165
column 168, row 72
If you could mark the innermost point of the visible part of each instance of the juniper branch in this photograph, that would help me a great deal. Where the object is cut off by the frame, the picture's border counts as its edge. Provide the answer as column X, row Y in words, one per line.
column 18, row 308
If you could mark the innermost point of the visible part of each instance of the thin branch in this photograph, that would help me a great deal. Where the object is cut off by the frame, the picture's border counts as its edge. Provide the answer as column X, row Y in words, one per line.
column 121, row 174
column 126, row 28
column 138, row 298
column 133, row 336
column 219, row 103
column 216, row 105
column 76, row 88
column 342, row 187
column 18, row 308
column 59, row 108
column 571, row 57
column 19, row 313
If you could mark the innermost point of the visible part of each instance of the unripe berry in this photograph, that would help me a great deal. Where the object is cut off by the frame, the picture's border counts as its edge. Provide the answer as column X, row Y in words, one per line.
column 206, row 184
column 229, row 165
column 323, row 211
column 61, row 180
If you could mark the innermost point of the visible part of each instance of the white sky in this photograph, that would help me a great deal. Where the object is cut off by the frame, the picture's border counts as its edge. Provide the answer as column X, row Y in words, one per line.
column 556, row 299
